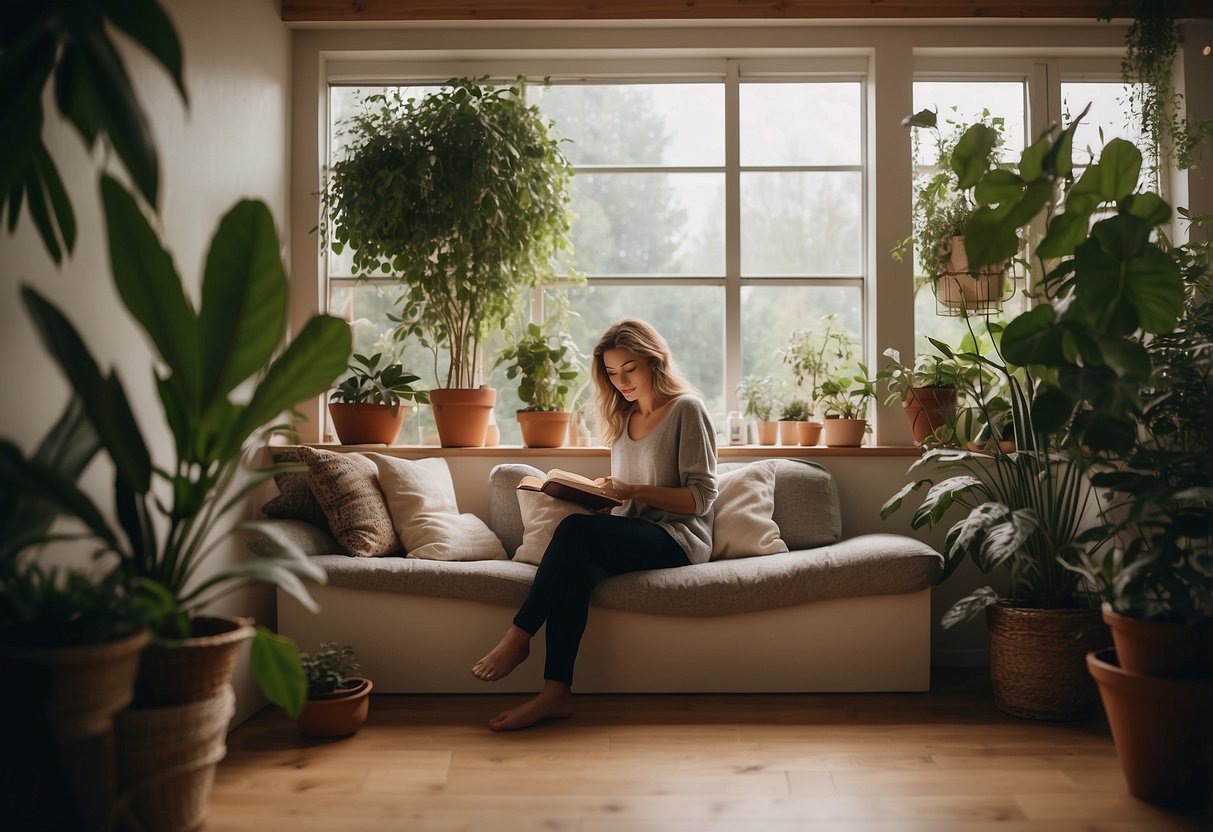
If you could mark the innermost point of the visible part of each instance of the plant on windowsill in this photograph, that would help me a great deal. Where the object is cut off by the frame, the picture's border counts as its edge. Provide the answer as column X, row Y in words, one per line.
column 927, row 392
column 338, row 699
column 944, row 206
column 846, row 400
column 463, row 196
column 367, row 407
column 760, row 397
column 546, row 361
column 817, row 353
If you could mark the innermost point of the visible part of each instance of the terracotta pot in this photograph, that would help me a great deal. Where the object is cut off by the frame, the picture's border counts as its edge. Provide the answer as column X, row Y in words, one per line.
column 808, row 433
column 175, row 672
column 1161, row 648
column 844, row 433
column 789, row 433
column 337, row 714
column 1038, row 661
column 367, row 424
column 927, row 409
column 544, row 429
column 958, row 288
column 767, row 432
column 462, row 415
column 1162, row 729
column 66, row 698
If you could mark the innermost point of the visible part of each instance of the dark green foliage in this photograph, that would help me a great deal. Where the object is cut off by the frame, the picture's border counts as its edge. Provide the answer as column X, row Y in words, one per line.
column 329, row 668
column 369, row 383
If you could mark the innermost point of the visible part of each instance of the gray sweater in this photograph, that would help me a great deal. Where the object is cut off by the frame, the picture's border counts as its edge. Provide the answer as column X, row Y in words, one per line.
column 679, row 453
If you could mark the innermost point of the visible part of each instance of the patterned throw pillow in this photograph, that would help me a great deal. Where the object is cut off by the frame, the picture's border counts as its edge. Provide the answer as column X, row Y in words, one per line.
column 295, row 500
column 346, row 485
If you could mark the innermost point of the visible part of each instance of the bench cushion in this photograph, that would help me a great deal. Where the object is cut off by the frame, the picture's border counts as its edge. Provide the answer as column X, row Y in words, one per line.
column 877, row 564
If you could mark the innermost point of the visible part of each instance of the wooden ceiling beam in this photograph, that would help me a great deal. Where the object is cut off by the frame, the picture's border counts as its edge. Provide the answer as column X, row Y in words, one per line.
column 335, row 11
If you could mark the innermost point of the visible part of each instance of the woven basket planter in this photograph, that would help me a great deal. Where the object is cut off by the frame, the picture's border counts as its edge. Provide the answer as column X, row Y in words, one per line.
column 192, row 669
column 167, row 759
column 1038, row 664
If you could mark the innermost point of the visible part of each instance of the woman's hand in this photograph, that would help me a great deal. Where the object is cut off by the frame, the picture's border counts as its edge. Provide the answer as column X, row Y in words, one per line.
column 616, row 488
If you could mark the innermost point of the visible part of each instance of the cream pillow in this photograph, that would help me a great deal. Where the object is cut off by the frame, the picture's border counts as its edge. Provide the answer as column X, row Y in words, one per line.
column 346, row 487
column 541, row 514
column 420, row 497
column 745, row 501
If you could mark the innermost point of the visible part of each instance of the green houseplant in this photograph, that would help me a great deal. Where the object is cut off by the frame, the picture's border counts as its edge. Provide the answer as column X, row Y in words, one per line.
column 926, row 391
column 462, row 195
column 204, row 356
column 817, row 353
column 338, row 699
column 368, row 405
column 944, row 205
column 846, row 400
column 546, row 361
column 760, row 397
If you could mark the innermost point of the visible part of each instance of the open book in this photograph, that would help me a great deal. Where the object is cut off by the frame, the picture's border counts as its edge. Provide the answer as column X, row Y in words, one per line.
column 565, row 485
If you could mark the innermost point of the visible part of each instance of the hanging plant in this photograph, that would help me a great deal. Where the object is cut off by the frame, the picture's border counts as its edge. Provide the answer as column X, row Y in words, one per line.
column 1151, row 45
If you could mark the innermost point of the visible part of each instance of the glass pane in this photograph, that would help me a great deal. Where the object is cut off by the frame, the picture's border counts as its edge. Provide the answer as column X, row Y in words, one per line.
column 649, row 223
column 637, row 124
column 1107, row 119
column 690, row 317
column 801, row 223
column 769, row 314
column 961, row 103
column 801, row 124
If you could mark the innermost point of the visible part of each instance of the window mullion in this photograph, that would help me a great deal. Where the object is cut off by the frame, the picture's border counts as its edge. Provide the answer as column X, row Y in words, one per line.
column 732, row 230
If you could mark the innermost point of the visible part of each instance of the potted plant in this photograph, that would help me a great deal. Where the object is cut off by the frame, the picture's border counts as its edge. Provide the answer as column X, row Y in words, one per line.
column 760, row 397
column 463, row 196
column 368, row 406
column 944, row 206
column 337, row 698
column 546, row 361
column 926, row 391
column 817, row 353
column 846, row 401
column 796, row 415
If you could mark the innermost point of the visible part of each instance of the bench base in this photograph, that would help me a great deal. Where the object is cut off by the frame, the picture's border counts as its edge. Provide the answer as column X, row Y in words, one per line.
column 420, row 644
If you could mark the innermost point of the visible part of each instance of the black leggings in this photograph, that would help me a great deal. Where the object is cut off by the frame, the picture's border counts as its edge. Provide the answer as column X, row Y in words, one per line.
column 585, row 549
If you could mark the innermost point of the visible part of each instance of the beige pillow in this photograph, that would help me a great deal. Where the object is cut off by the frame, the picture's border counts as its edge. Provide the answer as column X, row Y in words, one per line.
column 347, row 488
column 421, row 500
column 745, row 501
column 541, row 514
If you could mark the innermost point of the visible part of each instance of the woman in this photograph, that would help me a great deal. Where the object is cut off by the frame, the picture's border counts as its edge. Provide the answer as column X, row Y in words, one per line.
column 663, row 465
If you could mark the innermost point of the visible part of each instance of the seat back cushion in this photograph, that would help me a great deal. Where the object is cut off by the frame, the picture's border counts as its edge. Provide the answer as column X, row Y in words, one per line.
column 505, row 516
column 806, row 503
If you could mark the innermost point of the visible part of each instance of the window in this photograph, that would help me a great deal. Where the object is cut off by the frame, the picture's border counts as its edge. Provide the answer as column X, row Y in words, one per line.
column 652, row 195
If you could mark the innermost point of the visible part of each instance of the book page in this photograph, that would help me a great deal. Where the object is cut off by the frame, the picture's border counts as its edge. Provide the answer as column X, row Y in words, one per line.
column 569, row 476
column 530, row 483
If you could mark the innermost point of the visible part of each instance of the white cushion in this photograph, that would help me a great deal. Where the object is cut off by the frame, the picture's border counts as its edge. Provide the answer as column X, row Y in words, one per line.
column 420, row 497
column 744, row 504
column 541, row 514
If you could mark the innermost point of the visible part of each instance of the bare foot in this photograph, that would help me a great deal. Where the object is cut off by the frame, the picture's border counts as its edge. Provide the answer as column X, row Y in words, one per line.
column 553, row 702
column 510, row 652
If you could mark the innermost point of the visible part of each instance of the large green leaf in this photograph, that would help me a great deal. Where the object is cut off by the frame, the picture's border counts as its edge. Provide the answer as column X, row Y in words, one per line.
column 1034, row 338
column 942, row 495
column 151, row 289
column 57, row 489
column 104, row 399
column 1119, row 166
column 971, row 156
column 307, row 368
column 1005, row 538
column 244, row 297
column 147, row 23
column 275, row 664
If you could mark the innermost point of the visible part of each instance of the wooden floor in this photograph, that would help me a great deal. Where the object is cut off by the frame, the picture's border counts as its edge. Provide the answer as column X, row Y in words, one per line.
column 943, row 761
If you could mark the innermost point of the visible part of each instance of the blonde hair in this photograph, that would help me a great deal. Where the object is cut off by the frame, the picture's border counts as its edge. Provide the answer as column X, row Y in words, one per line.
column 643, row 339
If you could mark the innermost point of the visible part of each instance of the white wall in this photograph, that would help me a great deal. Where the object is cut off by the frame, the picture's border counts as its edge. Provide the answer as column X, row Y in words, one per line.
column 230, row 143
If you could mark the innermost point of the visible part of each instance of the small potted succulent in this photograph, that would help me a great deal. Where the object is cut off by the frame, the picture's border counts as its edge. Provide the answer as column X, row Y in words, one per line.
column 795, row 413
column 337, row 698
column 368, row 406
